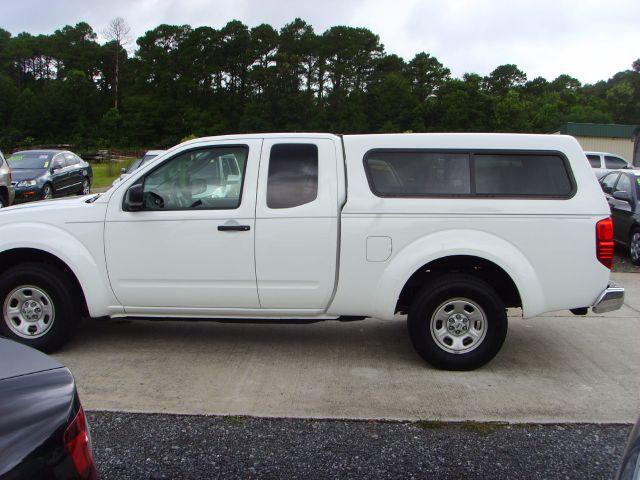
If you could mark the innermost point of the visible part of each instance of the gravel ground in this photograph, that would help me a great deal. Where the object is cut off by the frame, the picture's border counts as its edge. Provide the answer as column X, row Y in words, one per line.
column 144, row 446
column 622, row 263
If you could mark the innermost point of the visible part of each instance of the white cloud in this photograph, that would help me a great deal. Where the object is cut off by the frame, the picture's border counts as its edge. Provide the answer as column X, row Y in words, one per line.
column 587, row 39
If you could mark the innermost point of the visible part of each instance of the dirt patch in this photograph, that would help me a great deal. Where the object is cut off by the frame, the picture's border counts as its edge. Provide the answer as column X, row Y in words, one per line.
column 622, row 262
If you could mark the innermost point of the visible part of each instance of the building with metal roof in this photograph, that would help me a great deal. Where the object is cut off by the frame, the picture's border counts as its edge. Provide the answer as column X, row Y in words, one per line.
column 622, row 140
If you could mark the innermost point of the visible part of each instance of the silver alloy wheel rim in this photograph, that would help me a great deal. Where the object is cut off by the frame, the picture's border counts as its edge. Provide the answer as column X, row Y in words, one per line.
column 634, row 246
column 85, row 187
column 48, row 193
column 28, row 312
column 458, row 326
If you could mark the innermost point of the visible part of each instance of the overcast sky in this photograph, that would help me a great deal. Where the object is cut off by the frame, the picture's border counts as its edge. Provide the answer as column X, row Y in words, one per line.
column 587, row 39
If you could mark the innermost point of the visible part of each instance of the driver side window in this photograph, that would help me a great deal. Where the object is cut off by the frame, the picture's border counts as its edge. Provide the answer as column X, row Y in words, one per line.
column 58, row 163
column 205, row 178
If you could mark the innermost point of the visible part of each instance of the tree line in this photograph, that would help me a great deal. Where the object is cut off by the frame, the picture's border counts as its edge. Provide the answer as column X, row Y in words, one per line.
column 179, row 81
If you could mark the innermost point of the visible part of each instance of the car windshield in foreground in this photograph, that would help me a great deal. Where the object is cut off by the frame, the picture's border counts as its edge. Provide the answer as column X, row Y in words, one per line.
column 29, row 161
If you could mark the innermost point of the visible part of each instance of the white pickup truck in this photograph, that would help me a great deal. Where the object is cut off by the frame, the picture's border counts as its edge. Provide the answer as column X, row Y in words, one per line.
column 448, row 228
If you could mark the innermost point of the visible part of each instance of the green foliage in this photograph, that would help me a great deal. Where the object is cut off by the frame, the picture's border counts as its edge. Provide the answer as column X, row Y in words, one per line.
column 181, row 81
column 105, row 173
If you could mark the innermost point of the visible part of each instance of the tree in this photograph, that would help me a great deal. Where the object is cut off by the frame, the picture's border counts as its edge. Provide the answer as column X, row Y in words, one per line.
column 504, row 78
column 65, row 87
column 118, row 32
column 427, row 75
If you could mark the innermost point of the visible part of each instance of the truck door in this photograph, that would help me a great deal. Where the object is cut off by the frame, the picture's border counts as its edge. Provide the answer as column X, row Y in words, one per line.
column 190, row 246
column 297, row 223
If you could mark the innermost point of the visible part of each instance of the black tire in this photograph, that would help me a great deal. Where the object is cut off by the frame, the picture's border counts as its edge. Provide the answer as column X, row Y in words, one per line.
column 2, row 202
column 447, row 296
column 634, row 246
column 47, row 191
column 85, row 189
column 42, row 281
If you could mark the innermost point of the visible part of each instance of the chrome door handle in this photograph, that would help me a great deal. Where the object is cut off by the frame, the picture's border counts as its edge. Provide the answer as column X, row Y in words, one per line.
column 234, row 228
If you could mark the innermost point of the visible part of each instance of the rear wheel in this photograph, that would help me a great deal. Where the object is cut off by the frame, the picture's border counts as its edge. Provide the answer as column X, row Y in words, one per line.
column 634, row 246
column 40, row 308
column 2, row 202
column 457, row 322
column 86, row 187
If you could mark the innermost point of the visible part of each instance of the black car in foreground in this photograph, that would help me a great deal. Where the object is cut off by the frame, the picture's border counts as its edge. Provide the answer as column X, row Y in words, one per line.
column 43, row 429
column 622, row 189
column 44, row 174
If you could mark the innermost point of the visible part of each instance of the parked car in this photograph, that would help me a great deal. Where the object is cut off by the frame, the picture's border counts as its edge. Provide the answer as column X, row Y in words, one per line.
column 630, row 466
column 7, row 191
column 44, row 174
column 622, row 190
column 603, row 162
column 137, row 163
column 450, row 229
column 43, row 427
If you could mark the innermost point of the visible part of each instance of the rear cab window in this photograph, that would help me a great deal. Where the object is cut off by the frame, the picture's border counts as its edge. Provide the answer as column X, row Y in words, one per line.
column 293, row 175
column 402, row 173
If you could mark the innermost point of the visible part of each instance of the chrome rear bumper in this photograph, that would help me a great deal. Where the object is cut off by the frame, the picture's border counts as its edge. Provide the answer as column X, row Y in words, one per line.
column 611, row 299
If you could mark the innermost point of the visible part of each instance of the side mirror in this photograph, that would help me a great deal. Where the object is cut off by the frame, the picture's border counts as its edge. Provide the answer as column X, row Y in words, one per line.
column 622, row 195
column 123, row 170
column 134, row 198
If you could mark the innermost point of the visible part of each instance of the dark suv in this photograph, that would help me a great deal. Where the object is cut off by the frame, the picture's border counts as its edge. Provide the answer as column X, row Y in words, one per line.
column 622, row 189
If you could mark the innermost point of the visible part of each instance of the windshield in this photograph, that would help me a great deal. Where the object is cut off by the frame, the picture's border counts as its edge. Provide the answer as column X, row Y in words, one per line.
column 29, row 160
column 140, row 162
column 134, row 165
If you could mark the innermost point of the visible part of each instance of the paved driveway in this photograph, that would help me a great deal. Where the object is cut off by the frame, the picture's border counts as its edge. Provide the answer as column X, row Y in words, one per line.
column 551, row 369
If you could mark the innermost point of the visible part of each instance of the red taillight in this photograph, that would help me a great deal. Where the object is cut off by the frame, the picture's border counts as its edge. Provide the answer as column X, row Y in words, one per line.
column 76, row 439
column 604, row 242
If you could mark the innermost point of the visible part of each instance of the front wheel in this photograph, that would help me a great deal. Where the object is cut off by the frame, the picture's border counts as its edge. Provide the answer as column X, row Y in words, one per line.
column 47, row 192
column 634, row 246
column 457, row 322
column 40, row 307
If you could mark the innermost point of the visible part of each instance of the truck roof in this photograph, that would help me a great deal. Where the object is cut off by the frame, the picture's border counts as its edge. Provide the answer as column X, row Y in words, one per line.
column 517, row 141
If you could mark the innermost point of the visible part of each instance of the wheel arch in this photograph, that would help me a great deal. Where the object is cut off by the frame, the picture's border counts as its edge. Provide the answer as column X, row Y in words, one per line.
column 29, row 242
column 16, row 256
column 481, row 254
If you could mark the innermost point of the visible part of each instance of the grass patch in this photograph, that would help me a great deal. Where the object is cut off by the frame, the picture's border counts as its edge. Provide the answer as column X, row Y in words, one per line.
column 105, row 173
column 481, row 428
column 236, row 420
column 429, row 424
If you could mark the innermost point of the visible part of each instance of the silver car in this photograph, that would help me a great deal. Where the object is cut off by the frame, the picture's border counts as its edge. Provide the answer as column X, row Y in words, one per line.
column 146, row 158
column 7, row 192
